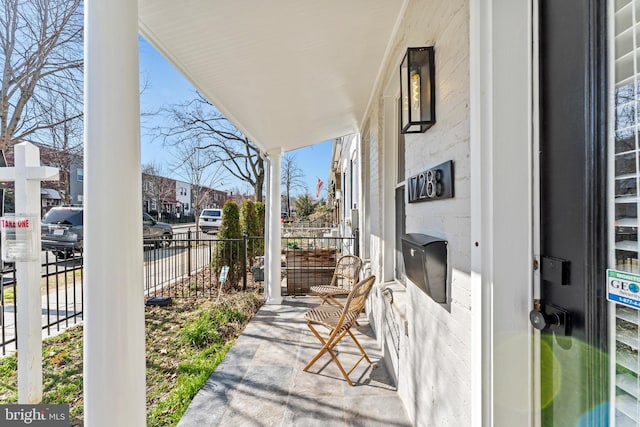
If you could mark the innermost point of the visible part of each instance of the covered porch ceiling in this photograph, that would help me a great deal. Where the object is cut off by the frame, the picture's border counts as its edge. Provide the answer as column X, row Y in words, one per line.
column 287, row 73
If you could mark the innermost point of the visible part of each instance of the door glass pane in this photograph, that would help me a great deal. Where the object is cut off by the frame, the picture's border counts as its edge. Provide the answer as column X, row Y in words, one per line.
column 624, row 176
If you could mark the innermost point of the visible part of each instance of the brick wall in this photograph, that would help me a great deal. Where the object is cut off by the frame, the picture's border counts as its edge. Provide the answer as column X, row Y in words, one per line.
column 433, row 362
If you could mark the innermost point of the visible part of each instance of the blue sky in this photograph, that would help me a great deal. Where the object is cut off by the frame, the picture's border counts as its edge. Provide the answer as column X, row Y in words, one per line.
column 165, row 85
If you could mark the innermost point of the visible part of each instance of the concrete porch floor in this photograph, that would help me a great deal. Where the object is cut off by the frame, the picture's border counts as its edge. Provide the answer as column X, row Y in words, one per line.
column 260, row 382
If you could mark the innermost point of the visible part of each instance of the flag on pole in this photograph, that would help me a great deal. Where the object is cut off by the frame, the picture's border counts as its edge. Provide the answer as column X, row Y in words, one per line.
column 318, row 187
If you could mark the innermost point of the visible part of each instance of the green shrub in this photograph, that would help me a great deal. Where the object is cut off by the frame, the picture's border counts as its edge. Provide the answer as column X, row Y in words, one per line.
column 229, row 252
column 260, row 214
column 251, row 225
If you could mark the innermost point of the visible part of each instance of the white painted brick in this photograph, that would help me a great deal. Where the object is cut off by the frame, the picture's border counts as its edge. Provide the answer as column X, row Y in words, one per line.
column 435, row 358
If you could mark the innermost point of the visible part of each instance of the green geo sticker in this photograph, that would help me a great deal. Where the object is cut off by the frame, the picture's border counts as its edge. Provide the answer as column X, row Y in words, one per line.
column 623, row 288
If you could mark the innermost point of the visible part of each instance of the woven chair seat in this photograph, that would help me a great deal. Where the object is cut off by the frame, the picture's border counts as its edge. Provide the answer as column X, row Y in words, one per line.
column 328, row 310
column 330, row 318
column 328, row 290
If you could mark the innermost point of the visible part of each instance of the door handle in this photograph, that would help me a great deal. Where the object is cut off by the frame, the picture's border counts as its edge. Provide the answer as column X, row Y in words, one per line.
column 548, row 317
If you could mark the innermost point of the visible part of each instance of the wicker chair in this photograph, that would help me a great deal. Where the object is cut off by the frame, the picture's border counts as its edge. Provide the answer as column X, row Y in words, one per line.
column 344, row 277
column 339, row 322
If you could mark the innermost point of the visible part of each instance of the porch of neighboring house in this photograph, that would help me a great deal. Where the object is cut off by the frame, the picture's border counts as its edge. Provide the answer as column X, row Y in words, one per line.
column 261, row 382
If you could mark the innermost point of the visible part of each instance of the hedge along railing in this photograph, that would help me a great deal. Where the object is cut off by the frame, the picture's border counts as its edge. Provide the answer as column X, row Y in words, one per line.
column 190, row 265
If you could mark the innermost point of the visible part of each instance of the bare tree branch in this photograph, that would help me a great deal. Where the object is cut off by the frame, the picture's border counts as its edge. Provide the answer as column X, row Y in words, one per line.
column 219, row 141
column 292, row 177
column 66, row 141
column 41, row 56
column 193, row 165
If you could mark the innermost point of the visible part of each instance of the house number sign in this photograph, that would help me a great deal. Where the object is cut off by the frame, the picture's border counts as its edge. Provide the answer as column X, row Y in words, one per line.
column 433, row 184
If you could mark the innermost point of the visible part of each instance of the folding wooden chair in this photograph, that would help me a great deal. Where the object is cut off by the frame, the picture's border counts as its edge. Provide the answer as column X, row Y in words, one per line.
column 344, row 277
column 339, row 322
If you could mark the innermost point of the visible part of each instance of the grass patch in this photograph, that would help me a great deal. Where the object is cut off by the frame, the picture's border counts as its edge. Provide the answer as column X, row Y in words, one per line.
column 185, row 342
column 191, row 377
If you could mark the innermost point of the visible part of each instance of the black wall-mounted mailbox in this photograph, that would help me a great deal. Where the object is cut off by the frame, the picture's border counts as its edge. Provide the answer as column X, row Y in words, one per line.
column 425, row 261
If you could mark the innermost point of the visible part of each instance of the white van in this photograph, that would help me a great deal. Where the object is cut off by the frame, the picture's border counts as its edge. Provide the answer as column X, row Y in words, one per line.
column 210, row 220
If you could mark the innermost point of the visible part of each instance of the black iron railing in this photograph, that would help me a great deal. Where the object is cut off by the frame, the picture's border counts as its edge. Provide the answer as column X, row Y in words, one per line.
column 191, row 265
column 61, row 290
column 310, row 261
column 188, row 266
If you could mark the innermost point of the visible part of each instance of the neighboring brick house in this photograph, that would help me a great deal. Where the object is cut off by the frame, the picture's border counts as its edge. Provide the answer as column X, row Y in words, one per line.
column 159, row 195
column 238, row 198
column 219, row 198
column 173, row 198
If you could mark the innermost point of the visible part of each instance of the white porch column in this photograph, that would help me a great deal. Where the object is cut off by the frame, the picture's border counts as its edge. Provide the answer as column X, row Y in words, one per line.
column 267, row 214
column 114, row 339
column 274, row 249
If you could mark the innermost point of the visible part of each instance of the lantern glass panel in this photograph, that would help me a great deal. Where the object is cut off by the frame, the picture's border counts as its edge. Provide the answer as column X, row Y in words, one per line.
column 404, row 92
column 416, row 90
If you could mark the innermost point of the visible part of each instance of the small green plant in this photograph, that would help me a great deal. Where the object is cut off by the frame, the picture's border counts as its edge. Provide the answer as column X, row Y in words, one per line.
column 8, row 296
column 205, row 331
column 305, row 206
column 226, row 314
column 201, row 333
column 8, row 365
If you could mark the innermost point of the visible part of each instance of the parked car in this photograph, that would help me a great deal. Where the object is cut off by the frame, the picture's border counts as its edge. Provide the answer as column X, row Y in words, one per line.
column 158, row 233
column 62, row 230
column 210, row 220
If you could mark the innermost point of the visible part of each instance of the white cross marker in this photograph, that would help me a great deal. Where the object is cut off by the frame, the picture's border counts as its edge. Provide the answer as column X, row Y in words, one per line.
column 27, row 174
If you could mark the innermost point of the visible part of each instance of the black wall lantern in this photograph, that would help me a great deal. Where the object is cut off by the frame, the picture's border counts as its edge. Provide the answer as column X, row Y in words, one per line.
column 417, row 90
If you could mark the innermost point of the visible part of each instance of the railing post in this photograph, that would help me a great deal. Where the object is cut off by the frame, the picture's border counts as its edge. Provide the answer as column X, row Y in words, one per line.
column 245, row 243
column 189, row 252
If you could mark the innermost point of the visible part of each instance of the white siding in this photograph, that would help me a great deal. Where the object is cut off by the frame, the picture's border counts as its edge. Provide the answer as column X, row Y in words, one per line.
column 183, row 195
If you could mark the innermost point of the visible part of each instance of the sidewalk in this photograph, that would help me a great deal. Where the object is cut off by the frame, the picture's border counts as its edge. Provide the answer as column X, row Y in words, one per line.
column 261, row 383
